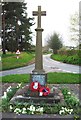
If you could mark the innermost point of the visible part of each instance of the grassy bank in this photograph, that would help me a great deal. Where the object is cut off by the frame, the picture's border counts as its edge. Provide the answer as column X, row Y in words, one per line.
column 72, row 59
column 9, row 61
column 52, row 78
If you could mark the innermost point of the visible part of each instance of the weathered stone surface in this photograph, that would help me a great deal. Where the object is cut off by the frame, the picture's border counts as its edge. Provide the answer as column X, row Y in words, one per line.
column 38, row 59
column 36, row 99
column 29, row 96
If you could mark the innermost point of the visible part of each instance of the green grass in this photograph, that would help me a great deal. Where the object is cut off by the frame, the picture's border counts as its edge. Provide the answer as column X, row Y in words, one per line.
column 52, row 78
column 9, row 61
column 72, row 59
column 66, row 78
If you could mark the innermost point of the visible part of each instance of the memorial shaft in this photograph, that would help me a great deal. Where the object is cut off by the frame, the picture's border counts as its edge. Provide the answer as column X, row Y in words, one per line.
column 39, row 30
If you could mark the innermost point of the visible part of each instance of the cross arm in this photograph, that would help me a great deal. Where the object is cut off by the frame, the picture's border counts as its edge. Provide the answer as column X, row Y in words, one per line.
column 35, row 13
column 43, row 13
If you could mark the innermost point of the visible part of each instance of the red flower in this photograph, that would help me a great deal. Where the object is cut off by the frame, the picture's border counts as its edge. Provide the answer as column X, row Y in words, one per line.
column 45, row 91
column 35, row 86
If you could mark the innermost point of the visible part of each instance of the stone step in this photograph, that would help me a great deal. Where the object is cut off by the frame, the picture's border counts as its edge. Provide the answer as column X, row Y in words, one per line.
column 50, row 100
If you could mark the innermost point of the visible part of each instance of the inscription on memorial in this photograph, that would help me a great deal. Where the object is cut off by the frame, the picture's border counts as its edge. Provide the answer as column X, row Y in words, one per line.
column 41, row 78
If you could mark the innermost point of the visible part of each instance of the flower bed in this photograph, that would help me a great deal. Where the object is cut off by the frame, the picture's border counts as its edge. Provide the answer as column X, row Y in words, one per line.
column 8, row 94
column 70, row 106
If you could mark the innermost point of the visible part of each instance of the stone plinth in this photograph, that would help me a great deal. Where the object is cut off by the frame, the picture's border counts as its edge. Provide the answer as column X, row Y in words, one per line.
column 30, row 96
column 49, row 100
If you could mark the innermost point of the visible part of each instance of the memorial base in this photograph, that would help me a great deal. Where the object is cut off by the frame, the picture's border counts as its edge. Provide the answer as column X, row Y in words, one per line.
column 41, row 78
column 29, row 96
column 37, row 71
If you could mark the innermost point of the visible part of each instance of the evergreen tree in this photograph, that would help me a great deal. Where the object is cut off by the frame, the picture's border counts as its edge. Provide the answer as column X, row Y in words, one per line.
column 17, row 26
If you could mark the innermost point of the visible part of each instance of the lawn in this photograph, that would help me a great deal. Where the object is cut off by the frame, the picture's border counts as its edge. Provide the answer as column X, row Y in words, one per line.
column 9, row 61
column 52, row 78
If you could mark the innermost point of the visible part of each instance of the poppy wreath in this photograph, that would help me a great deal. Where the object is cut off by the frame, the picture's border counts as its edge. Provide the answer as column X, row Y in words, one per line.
column 45, row 91
column 35, row 86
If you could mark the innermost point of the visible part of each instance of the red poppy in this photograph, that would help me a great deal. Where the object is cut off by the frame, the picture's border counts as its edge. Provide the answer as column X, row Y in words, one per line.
column 45, row 91
column 35, row 86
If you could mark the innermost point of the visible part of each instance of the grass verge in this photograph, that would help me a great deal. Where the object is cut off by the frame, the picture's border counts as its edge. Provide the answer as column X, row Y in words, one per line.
column 73, row 59
column 52, row 78
column 9, row 61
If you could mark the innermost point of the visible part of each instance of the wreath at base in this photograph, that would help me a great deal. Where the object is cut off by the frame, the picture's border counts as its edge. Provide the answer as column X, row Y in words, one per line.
column 35, row 86
column 43, row 91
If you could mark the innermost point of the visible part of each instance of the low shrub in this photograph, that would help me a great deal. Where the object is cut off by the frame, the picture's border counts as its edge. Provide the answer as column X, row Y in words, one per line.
column 72, row 59
column 69, row 52
column 5, row 102
column 70, row 99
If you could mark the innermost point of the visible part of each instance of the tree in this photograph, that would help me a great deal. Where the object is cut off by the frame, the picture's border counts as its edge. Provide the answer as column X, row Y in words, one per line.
column 17, row 26
column 3, row 31
column 55, row 42
column 74, row 27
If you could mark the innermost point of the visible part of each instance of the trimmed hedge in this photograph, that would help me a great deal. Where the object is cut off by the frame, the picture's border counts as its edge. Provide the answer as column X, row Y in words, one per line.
column 68, row 56
column 69, row 52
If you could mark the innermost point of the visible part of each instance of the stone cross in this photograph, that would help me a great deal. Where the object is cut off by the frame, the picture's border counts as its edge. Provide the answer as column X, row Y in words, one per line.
column 38, row 59
column 39, row 13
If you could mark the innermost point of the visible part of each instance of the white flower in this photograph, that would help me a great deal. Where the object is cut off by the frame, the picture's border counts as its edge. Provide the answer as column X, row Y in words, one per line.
column 9, row 89
column 70, row 113
column 71, row 110
column 63, row 108
column 11, row 108
column 24, row 111
column 65, row 111
column 17, row 111
column 61, row 112
column 5, row 95
column 40, row 110
column 32, row 112
column 69, row 93
column 32, row 108
column 19, row 85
